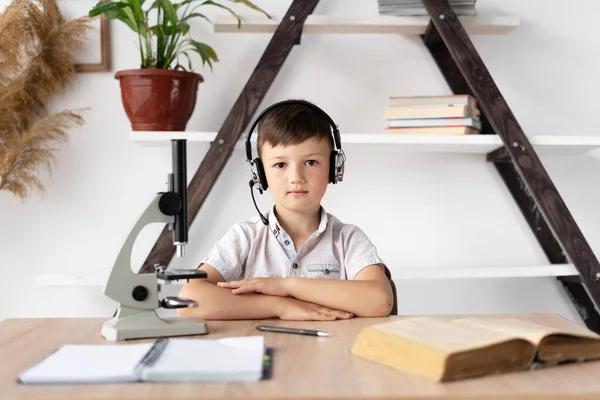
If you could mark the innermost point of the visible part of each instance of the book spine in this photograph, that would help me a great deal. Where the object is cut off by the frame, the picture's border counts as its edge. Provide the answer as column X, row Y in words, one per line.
column 393, row 112
column 152, row 356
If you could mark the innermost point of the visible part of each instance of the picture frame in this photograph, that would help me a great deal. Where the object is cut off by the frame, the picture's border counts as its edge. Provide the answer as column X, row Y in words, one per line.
column 104, row 64
column 96, row 56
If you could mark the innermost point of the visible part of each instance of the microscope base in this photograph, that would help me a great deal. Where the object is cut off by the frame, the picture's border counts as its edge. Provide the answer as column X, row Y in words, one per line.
column 131, row 323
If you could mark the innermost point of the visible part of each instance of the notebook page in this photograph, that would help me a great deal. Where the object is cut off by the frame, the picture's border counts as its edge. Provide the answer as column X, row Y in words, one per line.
column 80, row 363
column 230, row 359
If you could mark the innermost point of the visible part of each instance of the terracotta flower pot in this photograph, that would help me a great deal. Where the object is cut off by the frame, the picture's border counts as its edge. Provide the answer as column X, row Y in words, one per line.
column 158, row 99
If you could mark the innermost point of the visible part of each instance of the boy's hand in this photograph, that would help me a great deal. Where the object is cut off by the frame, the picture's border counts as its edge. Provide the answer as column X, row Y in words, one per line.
column 299, row 310
column 270, row 286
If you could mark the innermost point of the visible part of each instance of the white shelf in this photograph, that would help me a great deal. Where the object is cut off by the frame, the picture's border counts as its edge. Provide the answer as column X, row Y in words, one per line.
column 159, row 138
column 479, row 144
column 65, row 280
column 484, row 272
column 385, row 24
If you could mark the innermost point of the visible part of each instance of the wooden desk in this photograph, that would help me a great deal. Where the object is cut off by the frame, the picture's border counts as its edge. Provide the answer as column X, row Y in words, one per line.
column 304, row 367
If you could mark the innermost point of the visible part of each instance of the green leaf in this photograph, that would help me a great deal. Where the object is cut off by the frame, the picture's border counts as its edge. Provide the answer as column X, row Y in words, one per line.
column 133, row 22
column 194, row 15
column 153, row 6
column 168, row 30
column 189, row 60
column 102, row 8
column 183, row 3
column 207, row 54
column 165, row 44
column 170, row 12
column 212, row 3
column 185, row 27
column 251, row 5
column 137, row 12
column 120, row 10
column 121, row 15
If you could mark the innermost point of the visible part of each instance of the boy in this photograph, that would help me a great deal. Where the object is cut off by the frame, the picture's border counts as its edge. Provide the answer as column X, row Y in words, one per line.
column 299, row 262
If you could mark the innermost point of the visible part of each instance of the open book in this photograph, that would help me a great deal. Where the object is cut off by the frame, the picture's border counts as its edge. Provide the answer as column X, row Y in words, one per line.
column 230, row 359
column 446, row 350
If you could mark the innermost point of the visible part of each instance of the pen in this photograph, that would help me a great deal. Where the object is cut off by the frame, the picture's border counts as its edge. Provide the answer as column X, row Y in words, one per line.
column 279, row 329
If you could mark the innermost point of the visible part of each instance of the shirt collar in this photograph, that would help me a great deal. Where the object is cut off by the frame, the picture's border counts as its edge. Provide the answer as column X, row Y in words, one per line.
column 276, row 229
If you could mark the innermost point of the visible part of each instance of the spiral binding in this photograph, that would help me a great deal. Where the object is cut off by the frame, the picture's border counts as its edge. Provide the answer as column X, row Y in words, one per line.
column 152, row 356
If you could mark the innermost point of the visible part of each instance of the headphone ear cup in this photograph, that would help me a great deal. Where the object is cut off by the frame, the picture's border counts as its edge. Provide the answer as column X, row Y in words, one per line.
column 336, row 167
column 332, row 165
column 260, row 172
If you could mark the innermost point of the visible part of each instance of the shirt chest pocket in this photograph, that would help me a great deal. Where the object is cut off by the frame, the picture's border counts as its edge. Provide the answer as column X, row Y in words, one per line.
column 323, row 271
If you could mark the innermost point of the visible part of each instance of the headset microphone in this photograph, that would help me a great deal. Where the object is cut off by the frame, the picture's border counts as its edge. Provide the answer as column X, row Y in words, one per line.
column 262, row 217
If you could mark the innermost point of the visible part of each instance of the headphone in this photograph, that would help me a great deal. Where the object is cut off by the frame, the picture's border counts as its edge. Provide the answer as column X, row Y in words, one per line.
column 337, row 157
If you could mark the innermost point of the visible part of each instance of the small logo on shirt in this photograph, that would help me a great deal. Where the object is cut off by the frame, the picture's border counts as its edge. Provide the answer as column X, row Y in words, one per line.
column 276, row 231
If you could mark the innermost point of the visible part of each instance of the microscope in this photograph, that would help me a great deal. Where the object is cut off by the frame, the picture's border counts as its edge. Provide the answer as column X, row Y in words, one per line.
column 137, row 293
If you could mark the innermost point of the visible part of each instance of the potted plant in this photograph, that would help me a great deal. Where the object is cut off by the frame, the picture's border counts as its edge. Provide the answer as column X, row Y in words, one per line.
column 161, row 95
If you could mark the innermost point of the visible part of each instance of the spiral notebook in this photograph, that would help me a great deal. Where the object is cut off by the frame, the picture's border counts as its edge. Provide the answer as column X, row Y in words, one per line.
column 235, row 359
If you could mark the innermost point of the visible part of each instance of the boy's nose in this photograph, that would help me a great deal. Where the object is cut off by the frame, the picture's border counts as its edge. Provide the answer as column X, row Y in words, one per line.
column 296, row 174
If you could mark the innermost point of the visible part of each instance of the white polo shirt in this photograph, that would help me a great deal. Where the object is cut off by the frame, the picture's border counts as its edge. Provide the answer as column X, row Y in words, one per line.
column 254, row 250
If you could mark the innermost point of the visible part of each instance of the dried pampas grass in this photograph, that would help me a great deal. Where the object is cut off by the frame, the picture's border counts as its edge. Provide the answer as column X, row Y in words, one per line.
column 37, row 55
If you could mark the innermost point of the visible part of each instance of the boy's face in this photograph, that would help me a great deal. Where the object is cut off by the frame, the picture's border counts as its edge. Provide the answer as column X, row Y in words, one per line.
column 297, row 174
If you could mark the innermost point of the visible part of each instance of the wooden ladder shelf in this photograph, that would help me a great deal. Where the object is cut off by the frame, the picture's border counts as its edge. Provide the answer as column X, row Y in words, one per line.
column 516, row 160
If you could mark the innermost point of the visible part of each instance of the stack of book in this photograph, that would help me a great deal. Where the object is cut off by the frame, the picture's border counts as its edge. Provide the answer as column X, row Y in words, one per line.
column 451, row 114
column 416, row 7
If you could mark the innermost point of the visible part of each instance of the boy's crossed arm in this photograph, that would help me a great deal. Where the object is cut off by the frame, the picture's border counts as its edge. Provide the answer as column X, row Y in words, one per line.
column 217, row 303
column 368, row 295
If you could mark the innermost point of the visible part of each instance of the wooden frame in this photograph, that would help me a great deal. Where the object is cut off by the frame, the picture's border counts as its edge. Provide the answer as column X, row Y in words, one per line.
column 105, row 63
column 101, row 59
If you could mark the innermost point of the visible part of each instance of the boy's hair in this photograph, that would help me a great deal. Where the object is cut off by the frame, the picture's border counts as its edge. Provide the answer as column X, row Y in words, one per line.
column 292, row 124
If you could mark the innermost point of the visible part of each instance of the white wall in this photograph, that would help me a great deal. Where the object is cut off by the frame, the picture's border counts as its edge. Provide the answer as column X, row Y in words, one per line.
column 423, row 209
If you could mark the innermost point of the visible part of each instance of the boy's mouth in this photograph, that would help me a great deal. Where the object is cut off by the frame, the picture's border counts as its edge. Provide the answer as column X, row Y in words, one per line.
column 298, row 192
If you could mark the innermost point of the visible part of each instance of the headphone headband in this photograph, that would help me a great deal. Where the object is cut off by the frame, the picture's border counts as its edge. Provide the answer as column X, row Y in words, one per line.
column 334, row 129
column 337, row 157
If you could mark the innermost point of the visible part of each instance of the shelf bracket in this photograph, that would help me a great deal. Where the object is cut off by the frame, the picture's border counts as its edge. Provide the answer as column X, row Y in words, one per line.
column 542, row 232
column 499, row 155
column 517, row 162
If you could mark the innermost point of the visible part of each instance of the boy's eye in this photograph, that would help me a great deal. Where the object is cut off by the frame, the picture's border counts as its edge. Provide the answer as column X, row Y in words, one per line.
column 279, row 165
column 312, row 163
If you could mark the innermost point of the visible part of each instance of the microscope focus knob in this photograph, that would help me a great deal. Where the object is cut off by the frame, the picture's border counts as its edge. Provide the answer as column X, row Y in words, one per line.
column 140, row 293
column 170, row 203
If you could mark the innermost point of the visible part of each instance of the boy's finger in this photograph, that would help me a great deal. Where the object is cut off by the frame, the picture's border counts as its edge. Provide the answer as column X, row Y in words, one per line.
column 324, row 317
column 337, row 313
